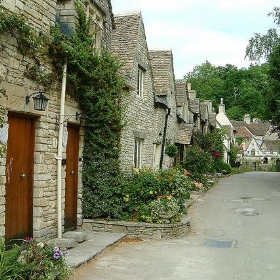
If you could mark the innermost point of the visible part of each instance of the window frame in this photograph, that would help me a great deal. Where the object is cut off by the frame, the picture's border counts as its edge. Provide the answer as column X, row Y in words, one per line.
column 138, row 152
column 140, row 81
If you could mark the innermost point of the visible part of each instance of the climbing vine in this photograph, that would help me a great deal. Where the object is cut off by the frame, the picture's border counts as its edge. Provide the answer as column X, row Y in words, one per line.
column 94, row 79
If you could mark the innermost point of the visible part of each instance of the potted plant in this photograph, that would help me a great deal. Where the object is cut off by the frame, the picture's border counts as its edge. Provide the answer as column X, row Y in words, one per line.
column 171, row 150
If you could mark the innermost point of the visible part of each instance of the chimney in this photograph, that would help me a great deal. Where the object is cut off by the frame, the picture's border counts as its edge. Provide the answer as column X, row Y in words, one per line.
column 191, row 92
column 247, row 119
column 209, row 105
column 222, row 108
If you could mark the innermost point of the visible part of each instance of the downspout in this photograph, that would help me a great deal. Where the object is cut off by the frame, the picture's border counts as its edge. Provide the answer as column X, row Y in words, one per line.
column 164, row 138
column 59, row 152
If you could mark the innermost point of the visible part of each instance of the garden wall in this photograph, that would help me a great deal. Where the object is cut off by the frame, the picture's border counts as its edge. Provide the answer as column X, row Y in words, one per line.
column 140, row 230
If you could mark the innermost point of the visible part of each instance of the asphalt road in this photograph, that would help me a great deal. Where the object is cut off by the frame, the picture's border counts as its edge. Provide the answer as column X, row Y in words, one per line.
column 235, row 235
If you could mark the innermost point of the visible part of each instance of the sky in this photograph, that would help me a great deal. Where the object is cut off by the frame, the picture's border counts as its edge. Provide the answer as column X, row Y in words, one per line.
column 197, row 31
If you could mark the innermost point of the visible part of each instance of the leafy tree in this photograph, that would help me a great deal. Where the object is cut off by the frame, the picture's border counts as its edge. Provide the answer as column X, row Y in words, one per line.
column 243, row 89
column 268, row 47
column 261, row 46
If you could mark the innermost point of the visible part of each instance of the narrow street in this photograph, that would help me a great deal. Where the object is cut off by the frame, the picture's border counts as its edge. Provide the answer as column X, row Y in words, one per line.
column 235, row 235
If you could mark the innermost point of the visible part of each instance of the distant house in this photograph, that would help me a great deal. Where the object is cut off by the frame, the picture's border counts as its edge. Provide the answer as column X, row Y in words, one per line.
column 258, row 143
column 185, row 118
column 223, row 122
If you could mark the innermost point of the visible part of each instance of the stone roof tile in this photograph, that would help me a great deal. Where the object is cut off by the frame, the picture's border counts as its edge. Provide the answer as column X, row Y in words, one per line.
column 125, row 38
column 162, row 67
column 194, row 106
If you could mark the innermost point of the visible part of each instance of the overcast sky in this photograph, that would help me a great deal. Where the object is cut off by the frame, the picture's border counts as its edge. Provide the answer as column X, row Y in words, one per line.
column 200, row 30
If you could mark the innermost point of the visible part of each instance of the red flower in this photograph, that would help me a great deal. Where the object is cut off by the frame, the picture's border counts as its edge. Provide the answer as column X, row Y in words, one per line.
column 216, row 154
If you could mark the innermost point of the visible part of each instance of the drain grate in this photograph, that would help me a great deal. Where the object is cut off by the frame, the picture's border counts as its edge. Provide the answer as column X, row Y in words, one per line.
column 220, row 244
column 247, row 211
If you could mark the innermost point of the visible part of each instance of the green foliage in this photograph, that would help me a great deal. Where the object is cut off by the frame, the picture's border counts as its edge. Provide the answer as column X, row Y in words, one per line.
column 196, row 160
column 171, row 150
column 243, row 90
column 33, row 260
column 9, row 266
column 164, row 210
column 16, row 25
column 267, row 46
column 206, row 155
column 261, row 46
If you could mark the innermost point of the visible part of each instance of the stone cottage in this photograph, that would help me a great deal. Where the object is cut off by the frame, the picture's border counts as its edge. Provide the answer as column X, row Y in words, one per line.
column 138, row 135
column 185, row 118
column 40, row 174
column 166, row 122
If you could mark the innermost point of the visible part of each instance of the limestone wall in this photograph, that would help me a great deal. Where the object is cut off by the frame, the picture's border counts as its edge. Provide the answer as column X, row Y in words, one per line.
column 13, row 65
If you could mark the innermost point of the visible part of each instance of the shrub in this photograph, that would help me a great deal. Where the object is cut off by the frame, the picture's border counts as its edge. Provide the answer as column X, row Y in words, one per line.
column 33, row 260
column 143, row 187
column 196, row 160
column 165, row 210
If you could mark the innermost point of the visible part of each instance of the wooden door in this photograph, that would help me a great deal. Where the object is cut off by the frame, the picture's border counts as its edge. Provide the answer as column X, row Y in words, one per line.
column 19, row 178
column 71, row 190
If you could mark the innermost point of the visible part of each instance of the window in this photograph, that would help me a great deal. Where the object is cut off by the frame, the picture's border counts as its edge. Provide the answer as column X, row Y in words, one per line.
column 138, row 147
column 96, row 25
column 253, row 152
column 140, row 81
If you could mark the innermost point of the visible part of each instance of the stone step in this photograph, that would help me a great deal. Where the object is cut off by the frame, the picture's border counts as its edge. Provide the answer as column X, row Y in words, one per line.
column 65, row 243
column 78, row 236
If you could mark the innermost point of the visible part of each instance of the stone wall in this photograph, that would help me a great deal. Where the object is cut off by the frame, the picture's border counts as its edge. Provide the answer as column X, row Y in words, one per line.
column 41, row 15
column 140, row 230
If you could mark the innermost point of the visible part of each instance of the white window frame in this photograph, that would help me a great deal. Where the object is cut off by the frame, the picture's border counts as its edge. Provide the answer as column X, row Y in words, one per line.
column 138, row 151
column 140, row 81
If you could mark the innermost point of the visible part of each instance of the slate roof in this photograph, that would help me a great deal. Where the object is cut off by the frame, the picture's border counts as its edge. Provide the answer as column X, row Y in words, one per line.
column 257, row 129
column 272, row 145
column 243, row 132
column 125, row 37
column 184, row 135
column 181, row 92
column 162, row 67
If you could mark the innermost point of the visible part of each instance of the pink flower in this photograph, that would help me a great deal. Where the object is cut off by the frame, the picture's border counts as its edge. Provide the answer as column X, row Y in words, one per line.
column 198, row 185
column 186, row 172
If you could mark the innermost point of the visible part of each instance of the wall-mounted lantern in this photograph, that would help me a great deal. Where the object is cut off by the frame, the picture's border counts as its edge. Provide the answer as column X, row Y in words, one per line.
column 39, row 99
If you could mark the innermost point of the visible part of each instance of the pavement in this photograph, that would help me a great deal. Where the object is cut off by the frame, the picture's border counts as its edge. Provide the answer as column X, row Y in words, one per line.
column 95, row 244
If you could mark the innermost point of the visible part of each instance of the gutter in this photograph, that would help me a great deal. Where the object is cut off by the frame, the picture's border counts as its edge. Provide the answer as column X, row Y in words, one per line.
column 59, row 152
column 164, row 137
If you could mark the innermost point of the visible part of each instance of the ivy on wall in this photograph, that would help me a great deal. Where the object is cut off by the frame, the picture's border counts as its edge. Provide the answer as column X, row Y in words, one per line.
column 94, row 79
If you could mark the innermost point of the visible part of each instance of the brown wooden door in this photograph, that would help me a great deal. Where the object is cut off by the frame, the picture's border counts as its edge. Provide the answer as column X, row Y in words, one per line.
column 71, row 190
column 19, row 178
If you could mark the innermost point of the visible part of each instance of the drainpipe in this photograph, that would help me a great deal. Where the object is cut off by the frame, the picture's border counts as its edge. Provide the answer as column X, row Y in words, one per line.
column 164, row 138
column 59, row 152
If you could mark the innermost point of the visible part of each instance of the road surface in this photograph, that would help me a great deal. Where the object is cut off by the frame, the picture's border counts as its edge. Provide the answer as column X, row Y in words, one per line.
column 235, row 235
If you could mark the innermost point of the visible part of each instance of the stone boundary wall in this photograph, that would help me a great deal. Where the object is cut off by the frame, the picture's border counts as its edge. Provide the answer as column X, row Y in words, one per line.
column 140, row 230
